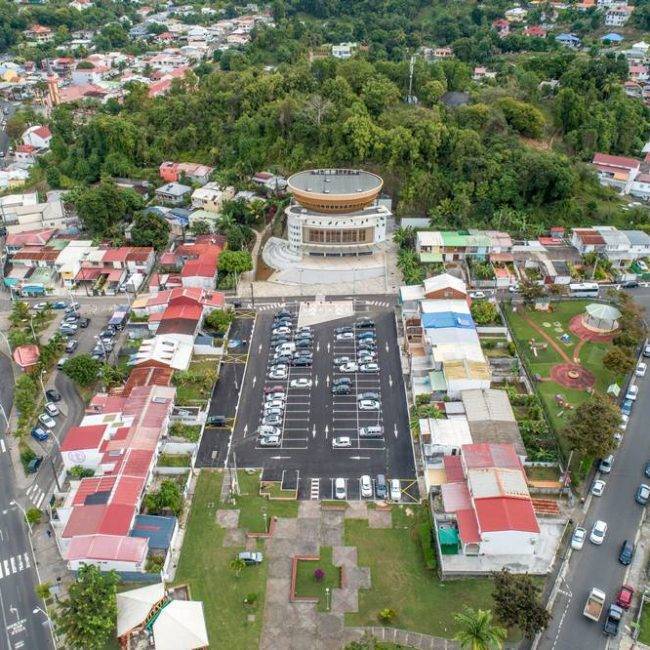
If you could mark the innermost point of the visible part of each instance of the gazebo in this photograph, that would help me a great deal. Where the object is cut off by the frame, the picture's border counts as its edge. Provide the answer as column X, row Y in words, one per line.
column 601, row 318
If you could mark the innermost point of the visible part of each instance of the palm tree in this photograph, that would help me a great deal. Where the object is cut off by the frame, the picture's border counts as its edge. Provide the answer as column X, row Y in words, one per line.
column 478, row 632
column 237, row 566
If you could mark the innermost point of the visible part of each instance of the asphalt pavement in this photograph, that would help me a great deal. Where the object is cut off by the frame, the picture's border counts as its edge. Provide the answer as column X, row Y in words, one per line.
column 598, row 566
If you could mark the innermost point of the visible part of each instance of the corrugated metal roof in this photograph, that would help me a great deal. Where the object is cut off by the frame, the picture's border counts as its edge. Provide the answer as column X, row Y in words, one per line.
column 487, row 404
column 495, row 482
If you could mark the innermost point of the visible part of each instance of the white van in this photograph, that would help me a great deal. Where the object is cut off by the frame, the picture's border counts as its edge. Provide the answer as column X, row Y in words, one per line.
column 286, row 348
column 340, row 491
column 395, row 490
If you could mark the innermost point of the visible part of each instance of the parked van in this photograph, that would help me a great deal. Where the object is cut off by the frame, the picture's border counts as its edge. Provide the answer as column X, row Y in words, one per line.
column 340, row 492
column 371, row 432
column 286, row 348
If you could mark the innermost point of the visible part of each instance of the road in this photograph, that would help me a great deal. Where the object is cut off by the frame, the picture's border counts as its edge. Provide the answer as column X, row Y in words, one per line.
column 598, row 565
column 18, row 578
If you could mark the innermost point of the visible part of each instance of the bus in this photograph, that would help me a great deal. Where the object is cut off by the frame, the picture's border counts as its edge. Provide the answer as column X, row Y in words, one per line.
column 584, row 290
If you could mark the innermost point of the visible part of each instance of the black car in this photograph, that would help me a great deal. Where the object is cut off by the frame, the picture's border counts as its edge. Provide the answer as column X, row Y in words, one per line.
column 71, row 346
column 630, row 284
column 363, row 323
column 627, row 553
column 343, row 330
column 53, row 395
column 301, row 361
column 278, row 340
column 303, row 343
column 341, row 389
column 646, row 469
column 303, row 353
column 84, row 321
column 283, row 313
column 342, row 381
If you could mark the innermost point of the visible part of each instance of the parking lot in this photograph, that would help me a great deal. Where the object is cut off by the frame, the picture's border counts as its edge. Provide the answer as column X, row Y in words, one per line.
column 315, row 432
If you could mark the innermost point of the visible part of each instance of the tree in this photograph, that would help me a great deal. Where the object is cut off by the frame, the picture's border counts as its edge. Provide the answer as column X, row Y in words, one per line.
column 82, row 369
column 619, row 360
column 517, row 602
column 200, row 227
column 530, row 290
column 167, row 497
column 386, row 615
column 592, row 426
column 87, row 617
column 33, row 516
column 478, row 632
column 219, row 319
column 78, row 472
column 150, row 229
column 484, row 312
column 237, row 565
column 43, row 590
column 319, row 575
column 235, row 262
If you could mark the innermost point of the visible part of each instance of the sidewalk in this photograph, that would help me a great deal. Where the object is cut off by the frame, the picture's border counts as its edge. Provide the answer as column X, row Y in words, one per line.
column 52, row 568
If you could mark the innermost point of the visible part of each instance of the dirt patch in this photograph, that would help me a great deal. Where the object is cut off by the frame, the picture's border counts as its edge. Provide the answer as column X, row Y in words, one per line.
column 578, row 328
column 572, row 375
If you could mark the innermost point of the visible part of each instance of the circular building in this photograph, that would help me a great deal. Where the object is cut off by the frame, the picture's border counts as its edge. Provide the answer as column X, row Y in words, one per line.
column 601, row 318
column 336, row 212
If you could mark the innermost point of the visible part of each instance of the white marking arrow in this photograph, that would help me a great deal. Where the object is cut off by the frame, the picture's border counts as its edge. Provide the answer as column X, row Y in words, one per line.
column 254, row 379
column 327, row 380
column 328, row 347
column 390, row 381
column 316, row 380
column 359, row 457
column 245, row 430
column 318, row 347
column 313, row 433
column 326, row 431
column 387, row 348
column 396, row 431
column 259, row 349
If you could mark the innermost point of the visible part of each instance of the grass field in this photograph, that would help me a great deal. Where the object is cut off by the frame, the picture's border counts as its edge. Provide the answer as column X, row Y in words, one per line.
column 306, row 585
column 644, row 625
column 204, row 565
column 591, row 354
column 401, row 581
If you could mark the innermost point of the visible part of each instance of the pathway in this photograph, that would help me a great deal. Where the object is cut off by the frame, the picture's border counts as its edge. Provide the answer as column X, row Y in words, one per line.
column 403, row 638
column 554, row 344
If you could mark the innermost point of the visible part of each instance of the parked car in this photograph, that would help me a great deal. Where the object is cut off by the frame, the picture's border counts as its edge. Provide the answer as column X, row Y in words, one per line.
column 340, row 491
column 646, row 469
column 632, row 392
column 272, row 420
column 578, row 538
column 477, row 295
column 646, row 351
column 283, row 329
column 53, row 395
column 301, row 382
column 303, row 343
column 71, row 346
column 40, row 434
column 84, row 322
column 268, row 430
column 605, row 465
column 339, row 361
column 374, row 431
column 52, row 409
column 366, row 336
column 368, row 405
column 278, row 374
column 626, row 553
column 40, row 306
column 345, row 329
column 303, row 362
column 34, row 464
column 273, row 411
column 366, row 486
column 625, row 596
column 73, row 306
column 374, row 396
column 47, row 421
column 283, row 313
column 275, row 397
column 269, row 441
column 381, row 487
column 349, row 367
column 251, row 557
column 72, row 319
column 341, row 389
column 598, row 488
column 641, row 369
column 395, row 490
column 59, row 304
column 626, row 409
column 274, row 389
column 341, row 441
column 341, row 381
column 642, row 494
column 345, row 336
column 274, row 404
column 363, row 323
column 598, row 532
column 630, row 284
column 369, row 367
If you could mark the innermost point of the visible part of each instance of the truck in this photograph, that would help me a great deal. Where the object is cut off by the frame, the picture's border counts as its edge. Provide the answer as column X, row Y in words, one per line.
column 119, row 317
column 613, row 620
column 595, row 603
column 625, row 596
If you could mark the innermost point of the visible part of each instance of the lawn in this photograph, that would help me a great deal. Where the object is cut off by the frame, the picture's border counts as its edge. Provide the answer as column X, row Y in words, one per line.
column 204, row 565
column 307, row 585
column 591, row 355
column 401, row 581
column 252, row 506
column 644, row 625
column 194, row 386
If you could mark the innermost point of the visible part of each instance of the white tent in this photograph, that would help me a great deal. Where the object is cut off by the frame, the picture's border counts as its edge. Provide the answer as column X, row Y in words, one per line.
column 181, row 626
column 134, row 606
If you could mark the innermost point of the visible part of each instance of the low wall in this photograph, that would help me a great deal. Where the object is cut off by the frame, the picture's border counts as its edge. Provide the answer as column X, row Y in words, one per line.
column 178, row 448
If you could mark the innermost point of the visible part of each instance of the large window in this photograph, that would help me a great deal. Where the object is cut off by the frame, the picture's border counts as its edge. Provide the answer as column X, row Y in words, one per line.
column 327, row 236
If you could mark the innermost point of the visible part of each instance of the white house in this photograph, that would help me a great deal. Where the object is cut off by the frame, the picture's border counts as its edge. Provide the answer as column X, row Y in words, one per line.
column 37, row 136
column 210, row 197
column 343, row 50
column 618, row 15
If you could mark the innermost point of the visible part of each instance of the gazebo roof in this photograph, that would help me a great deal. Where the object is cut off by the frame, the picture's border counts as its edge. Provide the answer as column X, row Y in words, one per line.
column 603, row 312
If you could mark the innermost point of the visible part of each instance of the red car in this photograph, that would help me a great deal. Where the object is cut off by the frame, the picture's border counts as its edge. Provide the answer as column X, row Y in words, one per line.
column 274, row 389
column 624, row 597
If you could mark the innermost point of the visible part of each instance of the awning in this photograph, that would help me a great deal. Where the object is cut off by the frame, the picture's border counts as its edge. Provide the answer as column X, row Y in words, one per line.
column 429, row 258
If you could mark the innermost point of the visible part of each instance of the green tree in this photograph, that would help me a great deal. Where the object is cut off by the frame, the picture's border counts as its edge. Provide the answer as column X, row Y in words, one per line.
column 167, row 497
column 150, row 229
column 87, row 617
column 82, row 369
column 484, row 312
column 43, row 590
column 114, row 375
column 591, row 427
column 619, row 360
column 478, row 632
column 25, row 397
column 219, row 319
column 78, row 472
column 517, row 603
column 33, row 516
column 235, row 262
column 530, row 291
column 200, row 227
column 237, row 565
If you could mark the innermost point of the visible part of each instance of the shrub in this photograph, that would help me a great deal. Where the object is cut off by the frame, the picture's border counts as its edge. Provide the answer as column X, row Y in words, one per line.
column 78, row 472
column 386, row 615
column 250, row 599
column 319, row 575
column 33, row 516
column 155, row 564
column 425, row 535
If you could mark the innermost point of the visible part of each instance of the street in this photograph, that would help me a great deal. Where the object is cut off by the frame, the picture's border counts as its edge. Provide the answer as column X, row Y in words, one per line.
column 598, row 566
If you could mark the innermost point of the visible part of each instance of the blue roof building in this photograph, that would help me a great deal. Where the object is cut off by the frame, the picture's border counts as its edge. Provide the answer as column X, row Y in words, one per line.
column 570, row 40
column 158, row 530
column 612, row 37
column 446, row 319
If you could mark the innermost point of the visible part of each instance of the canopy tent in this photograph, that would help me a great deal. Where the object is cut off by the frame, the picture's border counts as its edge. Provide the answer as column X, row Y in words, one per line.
column 133, row 607
column 602, row 317
column 180, row 625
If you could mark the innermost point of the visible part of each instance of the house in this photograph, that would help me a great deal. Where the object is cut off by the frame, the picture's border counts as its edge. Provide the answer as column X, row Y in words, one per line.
column 516, row 14
column 587, row 240
column 536, row 31
column 269, row 182
column 88, row 74
column 639, row 243
column 37, row 136
column 488, row 495
column 165, row 350
column 568, row 40
column 612, row 38
column 69, row 260
column 618, row 15
column 22, row 212
column 617, row 172
column 39, row 34
column 15, row 175
column 200, row 262
column 14, row 242
column 210, row 197
column 25, row 155
column 481, row 73
column 344, row 50
column 617, row 245
column 173, row 172
column 173, row 193
column 502, row 27
column 450, row 246
column 80, row 5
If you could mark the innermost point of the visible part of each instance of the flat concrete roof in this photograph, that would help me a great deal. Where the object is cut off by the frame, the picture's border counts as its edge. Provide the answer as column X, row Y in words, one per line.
column 335, row 181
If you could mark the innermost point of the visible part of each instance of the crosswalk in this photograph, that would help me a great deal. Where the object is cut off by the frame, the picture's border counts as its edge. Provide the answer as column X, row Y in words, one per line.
column 14, row 564
column 35, row 494
column 314, row 489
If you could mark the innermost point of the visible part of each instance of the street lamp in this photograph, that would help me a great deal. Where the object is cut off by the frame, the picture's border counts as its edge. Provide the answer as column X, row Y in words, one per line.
column 327, row 598
column 40, row 377
column 15, row 503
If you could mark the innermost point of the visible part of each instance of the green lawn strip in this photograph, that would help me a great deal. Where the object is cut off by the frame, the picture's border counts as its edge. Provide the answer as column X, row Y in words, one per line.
column 204, row 565
column 644, row 625
column 252, row 506
column 306, row 583
column 401, row 581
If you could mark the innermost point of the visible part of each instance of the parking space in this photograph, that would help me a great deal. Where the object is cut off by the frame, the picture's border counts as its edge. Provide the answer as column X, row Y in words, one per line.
column 327, row 401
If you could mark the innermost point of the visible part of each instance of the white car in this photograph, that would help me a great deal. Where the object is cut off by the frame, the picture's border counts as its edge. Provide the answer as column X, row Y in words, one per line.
column 52, row 409
column 598, row 488
column 350, row 366
column 641, row 369
column 340, row 491
column 578, row 538
column 275, row 397
column 632, row 392
column 477, row 295
column 47, row 421
column 368, row 405
column 513, row 288
column 598, row 532
column 624, row 420
column 281, row 330
column 301, row 382
column 338, row 361
column 366, row 486
column 345, row 336
column 268, row 430
column 395, row 490
column 274, row 404
column 365, row 359
column 369, row 367
column 341, row 441
column 269, row 441
column 278, row 374
column 273, row 411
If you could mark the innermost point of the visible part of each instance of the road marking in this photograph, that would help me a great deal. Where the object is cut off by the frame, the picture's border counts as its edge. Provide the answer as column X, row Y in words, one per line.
column 314, row 489
column 13, row 564
column 27, row 564
column 6, row 565
column 40, row 500
column 326, row 431
column 359, row 457
column 20, row 563
column 245, row 430
column 396, row 434
column 2, row 445
column 313, row 433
